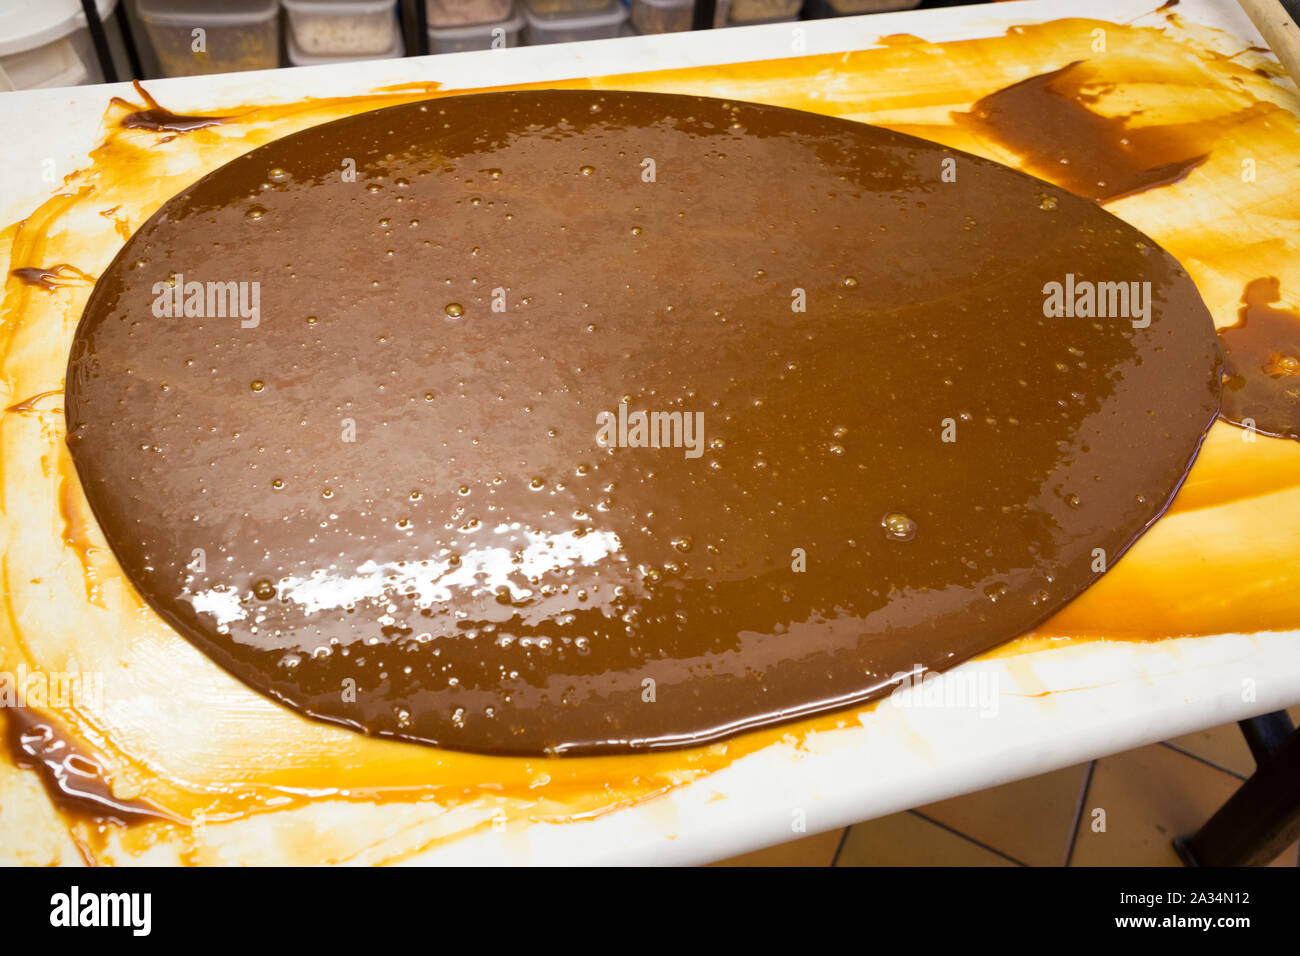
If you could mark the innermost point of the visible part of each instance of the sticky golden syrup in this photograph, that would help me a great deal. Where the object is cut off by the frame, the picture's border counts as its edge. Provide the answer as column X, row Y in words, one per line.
column 232, row 757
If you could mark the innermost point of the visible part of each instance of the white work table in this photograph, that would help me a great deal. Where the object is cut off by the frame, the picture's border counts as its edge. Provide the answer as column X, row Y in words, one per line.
column 1052, row 708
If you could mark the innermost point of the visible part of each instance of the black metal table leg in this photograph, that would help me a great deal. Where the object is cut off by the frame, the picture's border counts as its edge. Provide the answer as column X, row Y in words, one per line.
column 100, row 41
column 128, row 41
column 702, row 18
column 1262, row 818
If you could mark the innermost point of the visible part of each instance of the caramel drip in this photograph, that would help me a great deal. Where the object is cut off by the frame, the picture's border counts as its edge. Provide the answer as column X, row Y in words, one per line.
column 29, row 404
column 50, row 278
column 159, row 119
column 77, row 536
column 73, row 777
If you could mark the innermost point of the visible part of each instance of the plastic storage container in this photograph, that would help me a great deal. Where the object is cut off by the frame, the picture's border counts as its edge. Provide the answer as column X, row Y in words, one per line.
column 601, row 25
column 45, row 43
column 482, row 36
column 236, row 35
column 840, row 8
column 763, row 11
column 299, row 58
column 564, row 9
column 672, row 16
column 342, row 27
column 462, row 13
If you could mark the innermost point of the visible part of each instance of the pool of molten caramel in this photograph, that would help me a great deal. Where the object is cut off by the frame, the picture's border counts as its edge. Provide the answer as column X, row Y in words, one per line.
column 565, row 421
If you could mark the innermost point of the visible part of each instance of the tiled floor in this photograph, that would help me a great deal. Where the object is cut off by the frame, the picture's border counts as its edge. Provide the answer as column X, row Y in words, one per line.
column 1121, row 810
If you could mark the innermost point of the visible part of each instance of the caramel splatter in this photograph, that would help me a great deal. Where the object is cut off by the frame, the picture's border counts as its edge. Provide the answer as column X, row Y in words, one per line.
column 159, row 118
column 50, row 278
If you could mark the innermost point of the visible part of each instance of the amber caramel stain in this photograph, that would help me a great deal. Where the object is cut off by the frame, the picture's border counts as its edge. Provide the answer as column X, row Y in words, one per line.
column 1261, row 388
column 77, row 530
column 121, row 225
column 1220, row 561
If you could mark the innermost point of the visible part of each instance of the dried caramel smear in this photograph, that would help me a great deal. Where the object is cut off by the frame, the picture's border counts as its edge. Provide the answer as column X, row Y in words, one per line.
column 177, row 731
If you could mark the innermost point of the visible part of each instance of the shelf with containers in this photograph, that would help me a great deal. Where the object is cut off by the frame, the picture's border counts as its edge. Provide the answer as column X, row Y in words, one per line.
column 192, row 37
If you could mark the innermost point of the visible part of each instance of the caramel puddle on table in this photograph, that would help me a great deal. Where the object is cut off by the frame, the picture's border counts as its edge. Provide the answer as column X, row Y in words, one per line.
column 1262, row 383
column 1243, row 496
column 571, row 587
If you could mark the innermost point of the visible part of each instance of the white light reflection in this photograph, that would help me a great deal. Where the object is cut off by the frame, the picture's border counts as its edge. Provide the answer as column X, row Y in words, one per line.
column 480, row 570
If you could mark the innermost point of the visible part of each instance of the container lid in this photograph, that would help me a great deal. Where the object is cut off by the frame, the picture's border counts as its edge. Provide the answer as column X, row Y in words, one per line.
column 338, row 7
column 27, row 24
column 670, row 4
column 512, row 25
column 616, row 13
column 201, row 13
column 784, row 18
column 298, row 58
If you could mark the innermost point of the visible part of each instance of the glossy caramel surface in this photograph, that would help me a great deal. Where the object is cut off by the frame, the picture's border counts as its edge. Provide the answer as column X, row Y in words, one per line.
column 408, row 520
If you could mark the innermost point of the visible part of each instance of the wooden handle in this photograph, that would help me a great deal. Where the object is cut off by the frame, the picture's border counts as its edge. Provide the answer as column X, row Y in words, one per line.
column 1278, row 29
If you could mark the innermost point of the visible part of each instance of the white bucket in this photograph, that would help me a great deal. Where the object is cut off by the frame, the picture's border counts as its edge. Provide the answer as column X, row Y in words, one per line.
column 46, row 44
